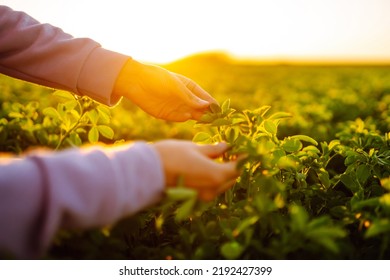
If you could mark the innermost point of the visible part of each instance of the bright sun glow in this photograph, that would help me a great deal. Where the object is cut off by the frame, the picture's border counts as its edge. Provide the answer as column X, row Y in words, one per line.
column 164, row 30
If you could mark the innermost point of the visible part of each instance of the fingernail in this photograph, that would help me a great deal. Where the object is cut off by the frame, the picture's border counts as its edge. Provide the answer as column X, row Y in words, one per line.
column 203, row 102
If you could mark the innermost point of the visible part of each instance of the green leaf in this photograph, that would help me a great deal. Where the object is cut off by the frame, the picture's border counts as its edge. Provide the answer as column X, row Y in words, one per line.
column 207, row 118
column 215, row 108
column 74, row 138
column 106, row 131
column 104, row 114
column 220, row 122
column 333, row 144
column 280, row 115
column 311, row 150
column 305, row 138
column 363, row 172
column 61, row 109
column 66, row 123
column 16, row 115
column 232, row 250
column 232, row 134
column 322, row 221
column 75, row 114
column 181, row 193
column 270, row 127
column 325, row 235
column 285, row 162
column 93, row 116
column 349, row 182
column 64, row 94
column 245, row 224
column 262, row 110
column 264, row 145
column 339, row 211
column 202, row 137
column 350, row 160
column 371, row 203
column 51, row 112
column 327, row 243
column 93, row 135
column 185, row 210
column 225, row 106
column 277, row 154
column 71, row 104
column 354, row 157
column 323, row 175
column 299, row 217
column 378, row 227
column 239, row 118
column 292, row 145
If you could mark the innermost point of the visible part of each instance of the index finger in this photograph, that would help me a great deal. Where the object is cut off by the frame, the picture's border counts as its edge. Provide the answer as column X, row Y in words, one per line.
column 196, row 89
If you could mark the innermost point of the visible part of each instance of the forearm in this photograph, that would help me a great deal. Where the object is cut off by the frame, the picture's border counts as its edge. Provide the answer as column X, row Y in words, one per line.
column 44, row 54
column 78, row 188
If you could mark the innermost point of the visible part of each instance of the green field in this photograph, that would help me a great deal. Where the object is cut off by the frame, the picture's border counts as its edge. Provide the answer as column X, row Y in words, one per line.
column 315, row 185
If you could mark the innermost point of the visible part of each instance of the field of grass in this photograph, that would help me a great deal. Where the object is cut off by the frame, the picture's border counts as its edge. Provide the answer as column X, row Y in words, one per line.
column 315, row 185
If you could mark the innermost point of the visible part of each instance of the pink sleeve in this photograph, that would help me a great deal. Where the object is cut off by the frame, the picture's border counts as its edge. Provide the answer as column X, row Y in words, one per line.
column 44, row 54
column 75, row 188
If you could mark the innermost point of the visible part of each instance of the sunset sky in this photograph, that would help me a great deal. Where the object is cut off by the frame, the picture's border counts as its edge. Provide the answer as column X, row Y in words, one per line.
column 164, row 30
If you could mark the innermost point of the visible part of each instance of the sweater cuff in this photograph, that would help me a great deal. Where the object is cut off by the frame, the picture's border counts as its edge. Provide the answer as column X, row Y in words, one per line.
column 140, row 167
column 99, row 73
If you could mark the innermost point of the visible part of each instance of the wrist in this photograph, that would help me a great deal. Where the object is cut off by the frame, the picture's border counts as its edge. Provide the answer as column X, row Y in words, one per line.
column 99, row 73
column 128, row 79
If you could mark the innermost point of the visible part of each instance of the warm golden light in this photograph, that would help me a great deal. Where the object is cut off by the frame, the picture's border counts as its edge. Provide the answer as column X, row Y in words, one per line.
column 162, row 31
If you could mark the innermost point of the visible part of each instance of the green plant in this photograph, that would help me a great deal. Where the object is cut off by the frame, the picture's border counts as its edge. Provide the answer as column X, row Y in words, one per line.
column 314, row 184
column 273, row 188
column 78, row 115
column 295, row 198
column 26, row 125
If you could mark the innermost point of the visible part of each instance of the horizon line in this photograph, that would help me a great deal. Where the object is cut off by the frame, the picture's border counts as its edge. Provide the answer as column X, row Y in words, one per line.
column 284, row 60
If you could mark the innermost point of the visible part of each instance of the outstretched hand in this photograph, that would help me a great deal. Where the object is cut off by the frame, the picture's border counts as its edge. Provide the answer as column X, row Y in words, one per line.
column 161, row 93
column 196, row 165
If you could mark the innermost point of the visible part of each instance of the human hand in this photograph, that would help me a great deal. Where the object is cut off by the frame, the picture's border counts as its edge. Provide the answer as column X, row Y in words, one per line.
column 161, row 93
column 196, row 164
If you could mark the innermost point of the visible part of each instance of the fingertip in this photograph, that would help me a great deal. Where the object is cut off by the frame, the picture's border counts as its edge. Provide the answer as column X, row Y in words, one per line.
column 223, row 145
column 214, row 150
column 197, row 115
column 201, row 103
